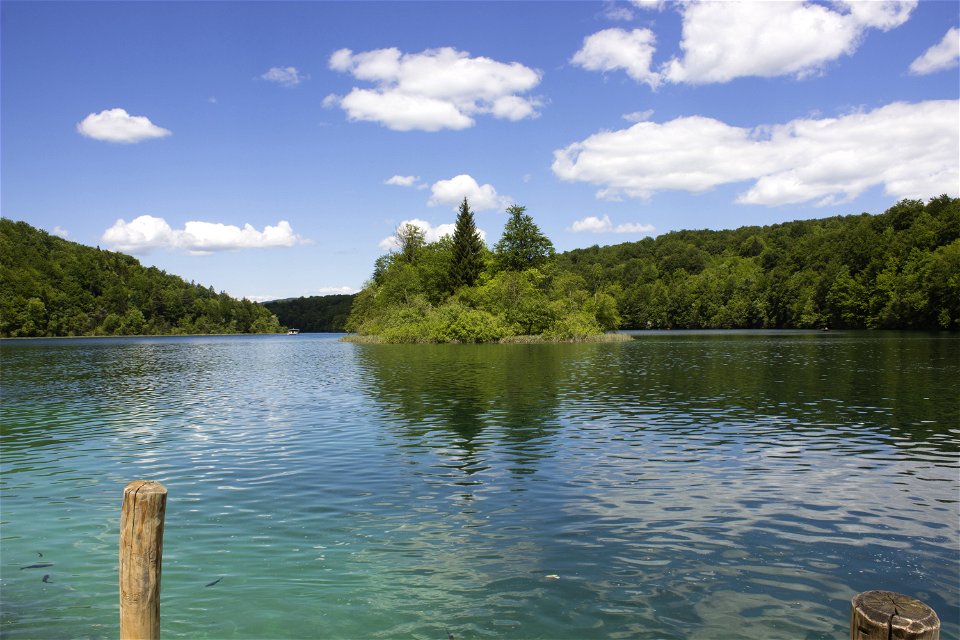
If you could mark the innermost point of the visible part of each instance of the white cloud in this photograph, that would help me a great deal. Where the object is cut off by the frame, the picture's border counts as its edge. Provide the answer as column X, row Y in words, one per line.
column 433, row 90
column 593, row 224
column 910, row 149
column 60, row 231
column 638, row 116
column 726, row 40
column 431, row 233
column 613, row 49
column 402, row 181
column 453, row 191
column 649, row 4
column 616, row 12
column 145, row 233
column 329, row 291
column 284, row 76
column 116, row 125
column 941, row 56
column 634, row 227
column 722, row 41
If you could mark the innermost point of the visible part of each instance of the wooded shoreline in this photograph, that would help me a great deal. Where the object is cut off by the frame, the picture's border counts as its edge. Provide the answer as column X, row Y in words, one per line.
column 895, row 270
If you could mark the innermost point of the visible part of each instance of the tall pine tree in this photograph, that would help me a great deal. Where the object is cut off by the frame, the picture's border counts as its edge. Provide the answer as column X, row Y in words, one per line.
column 468, row 248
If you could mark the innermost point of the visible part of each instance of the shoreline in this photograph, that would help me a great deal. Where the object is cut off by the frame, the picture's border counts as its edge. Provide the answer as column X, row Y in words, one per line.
column 594, row 339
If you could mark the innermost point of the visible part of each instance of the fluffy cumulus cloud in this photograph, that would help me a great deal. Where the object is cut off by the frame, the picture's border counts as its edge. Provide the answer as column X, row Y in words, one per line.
column 145, row 233
column 433, row 90
column 284, row 76
column 116, row 125
column 480, row 197
column 593, row 224
column 60, row 231
column 722, row 41
column 908, row 148
column 431, row 233
column 726, row 40
column 613, row 49
column 940, row 57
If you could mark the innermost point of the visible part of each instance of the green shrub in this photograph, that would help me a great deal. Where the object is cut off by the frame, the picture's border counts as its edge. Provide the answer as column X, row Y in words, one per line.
column 574, row 326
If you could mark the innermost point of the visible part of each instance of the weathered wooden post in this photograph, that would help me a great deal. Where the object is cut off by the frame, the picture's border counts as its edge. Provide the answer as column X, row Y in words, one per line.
column 885, row 615
column 141, row 552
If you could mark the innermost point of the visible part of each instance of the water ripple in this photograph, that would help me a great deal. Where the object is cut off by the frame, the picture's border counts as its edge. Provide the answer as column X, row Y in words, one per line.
column 673, row 487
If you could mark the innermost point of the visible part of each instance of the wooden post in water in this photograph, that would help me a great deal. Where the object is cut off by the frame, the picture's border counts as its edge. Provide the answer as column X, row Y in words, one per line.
column 885, row 615
column 141, row 552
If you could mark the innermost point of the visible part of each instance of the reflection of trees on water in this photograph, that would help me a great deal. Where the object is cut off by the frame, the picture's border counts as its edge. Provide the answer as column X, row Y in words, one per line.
column 488, row 399
column 483, row 405
column 887, row 385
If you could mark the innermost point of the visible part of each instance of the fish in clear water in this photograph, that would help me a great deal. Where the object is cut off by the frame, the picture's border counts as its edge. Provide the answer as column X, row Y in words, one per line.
column 39, row 565
column 210, row 584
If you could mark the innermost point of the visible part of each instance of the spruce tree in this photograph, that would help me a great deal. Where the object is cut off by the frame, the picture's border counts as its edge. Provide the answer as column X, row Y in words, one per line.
column 468, row 248
column 522, row 245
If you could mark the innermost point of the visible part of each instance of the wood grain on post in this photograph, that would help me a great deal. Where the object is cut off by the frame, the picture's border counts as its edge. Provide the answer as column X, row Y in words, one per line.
column 885, row 615
column 141, row 552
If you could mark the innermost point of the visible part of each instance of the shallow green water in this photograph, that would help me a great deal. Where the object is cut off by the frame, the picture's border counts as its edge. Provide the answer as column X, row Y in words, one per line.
column 683, row 485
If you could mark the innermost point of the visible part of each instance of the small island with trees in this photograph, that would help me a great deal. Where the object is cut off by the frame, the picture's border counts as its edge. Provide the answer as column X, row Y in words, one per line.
column 456, row 290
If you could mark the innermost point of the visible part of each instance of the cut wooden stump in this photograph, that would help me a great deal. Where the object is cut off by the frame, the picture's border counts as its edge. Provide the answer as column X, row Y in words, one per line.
column 885, row 615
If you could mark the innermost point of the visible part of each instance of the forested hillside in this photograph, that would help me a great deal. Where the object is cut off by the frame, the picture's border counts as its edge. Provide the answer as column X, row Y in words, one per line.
column 314, row 313
column 896, row 270
column 52, row 287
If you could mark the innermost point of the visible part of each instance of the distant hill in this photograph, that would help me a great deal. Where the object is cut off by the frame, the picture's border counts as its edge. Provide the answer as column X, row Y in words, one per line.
column 896, row 270
column 52, row 287
column 313, row 314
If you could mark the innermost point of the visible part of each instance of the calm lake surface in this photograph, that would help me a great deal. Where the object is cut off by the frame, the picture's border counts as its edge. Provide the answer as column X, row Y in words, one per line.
column 682, row 485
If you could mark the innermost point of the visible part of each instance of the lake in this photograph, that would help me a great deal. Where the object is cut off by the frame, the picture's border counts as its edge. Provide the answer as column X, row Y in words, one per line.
column 682, row 485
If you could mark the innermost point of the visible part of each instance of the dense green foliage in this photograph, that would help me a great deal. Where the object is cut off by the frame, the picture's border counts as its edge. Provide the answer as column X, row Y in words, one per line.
column 896, row 270
column 427, row 294
column 313, row 314
column 52, row 287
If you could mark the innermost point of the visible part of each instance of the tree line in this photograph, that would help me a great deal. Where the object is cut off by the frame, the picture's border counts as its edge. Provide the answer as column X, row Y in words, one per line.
column 52, row 287
column 896, row 270
column 314, row 313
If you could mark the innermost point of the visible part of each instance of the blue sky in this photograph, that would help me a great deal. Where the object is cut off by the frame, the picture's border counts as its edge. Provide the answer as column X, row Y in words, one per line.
column 271, row 149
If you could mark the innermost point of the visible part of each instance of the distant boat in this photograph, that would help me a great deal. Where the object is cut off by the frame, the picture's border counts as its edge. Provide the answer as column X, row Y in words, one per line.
column 292, row 332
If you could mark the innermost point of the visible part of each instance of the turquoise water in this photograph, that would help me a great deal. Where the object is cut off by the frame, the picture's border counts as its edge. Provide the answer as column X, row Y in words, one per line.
column 682, row 485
